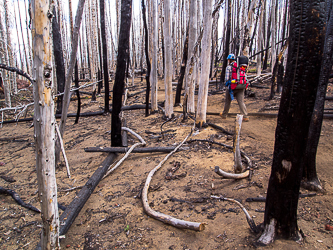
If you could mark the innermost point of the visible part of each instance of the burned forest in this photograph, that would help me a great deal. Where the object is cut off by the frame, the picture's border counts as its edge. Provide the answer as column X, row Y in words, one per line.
column 166, row 124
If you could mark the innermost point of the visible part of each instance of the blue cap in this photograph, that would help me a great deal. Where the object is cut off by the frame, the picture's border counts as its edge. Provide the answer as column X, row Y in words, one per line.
column 231, row 57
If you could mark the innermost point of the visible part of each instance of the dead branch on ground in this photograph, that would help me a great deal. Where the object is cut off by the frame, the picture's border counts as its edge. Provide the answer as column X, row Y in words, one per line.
column 251, row 222
column 163, row 217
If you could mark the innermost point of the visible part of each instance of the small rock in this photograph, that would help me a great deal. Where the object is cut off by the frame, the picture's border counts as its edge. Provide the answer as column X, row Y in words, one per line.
column 328, row 227
column 67, row 246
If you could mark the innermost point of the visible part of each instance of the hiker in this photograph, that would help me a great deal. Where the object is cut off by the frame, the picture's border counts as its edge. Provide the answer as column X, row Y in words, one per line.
column 236, row 83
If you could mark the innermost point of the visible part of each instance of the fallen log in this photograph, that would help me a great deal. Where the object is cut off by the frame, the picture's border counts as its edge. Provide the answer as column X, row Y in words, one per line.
column 163, row 217
column 132, row 107
column 74, row 208
column 136, row 150
column 219, row 128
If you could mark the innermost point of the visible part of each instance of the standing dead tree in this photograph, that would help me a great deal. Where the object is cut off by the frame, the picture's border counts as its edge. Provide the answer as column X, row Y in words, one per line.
column 69, row 74
column 118, row 88
column 168, row 60
column 296, row 108
column 44, row 123
column 205, row 58
column 105, row 58
column 147, row 56
column 310, row 179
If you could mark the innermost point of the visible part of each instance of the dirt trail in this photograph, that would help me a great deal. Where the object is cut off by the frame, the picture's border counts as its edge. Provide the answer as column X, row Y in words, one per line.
column 113, row 217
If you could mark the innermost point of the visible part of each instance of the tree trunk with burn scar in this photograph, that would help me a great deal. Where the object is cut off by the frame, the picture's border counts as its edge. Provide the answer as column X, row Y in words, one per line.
column 118, row 88
column 297, row 102
column 310, row 179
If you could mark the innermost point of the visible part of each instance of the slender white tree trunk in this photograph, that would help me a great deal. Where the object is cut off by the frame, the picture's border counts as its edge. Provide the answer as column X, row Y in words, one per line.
column 44, row 123
column 10, row 76
column 205, row 59
column 190, row 73
column 154, row 51
column 273, row 37
column 168, row 60
column 260, row 41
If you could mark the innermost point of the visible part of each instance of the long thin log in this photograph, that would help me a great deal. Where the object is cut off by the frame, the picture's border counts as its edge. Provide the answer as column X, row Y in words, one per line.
column 219, row 128
column 136, row 150
column 163, row 217
column 132, row 107
column 74, row 208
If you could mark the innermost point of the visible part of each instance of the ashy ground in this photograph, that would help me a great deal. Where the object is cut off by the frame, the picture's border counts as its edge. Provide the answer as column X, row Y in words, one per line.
column 113, row 217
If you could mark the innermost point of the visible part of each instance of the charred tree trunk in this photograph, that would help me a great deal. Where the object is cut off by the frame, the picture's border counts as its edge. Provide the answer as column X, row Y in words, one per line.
column 297, row 102
column 59, row 60
column 105, row 59
column 267, row 43
column 226, row 45
column 76, row 76
column 182, row 71
column 118, row 88
column 147, row 56
column 311, row 180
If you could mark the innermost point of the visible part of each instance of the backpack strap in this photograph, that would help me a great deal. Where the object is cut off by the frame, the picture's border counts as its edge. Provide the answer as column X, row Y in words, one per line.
column 238, row 74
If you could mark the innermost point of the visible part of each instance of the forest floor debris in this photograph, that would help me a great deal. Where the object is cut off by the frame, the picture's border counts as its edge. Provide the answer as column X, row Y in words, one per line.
column 113, row 216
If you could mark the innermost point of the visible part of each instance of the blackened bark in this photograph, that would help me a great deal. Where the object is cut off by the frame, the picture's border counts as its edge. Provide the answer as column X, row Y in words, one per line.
column 280, row 77
column 182, row 70
column 105, row 59
column 255, row 28
column 118, row 88
column 59, row 61
column 147, row 56
column 1, row 82
column 99, row 78
column 273, row 79
column 310, row 173
column 76, row 75
column 297, row 102
column 226, row 45
column 264, row 66
column 284, row 21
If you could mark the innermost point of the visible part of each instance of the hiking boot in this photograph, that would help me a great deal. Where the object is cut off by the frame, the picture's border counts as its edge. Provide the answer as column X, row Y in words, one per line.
column 246, row 119
column 223, row 116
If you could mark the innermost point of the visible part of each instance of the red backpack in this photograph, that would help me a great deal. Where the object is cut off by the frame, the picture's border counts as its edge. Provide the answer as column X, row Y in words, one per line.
column 238, row 76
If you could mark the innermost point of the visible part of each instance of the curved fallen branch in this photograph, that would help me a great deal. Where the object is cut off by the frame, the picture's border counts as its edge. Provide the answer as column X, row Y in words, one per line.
column 163, row 217
column 251, row 222
column 231, row 175
column 141, row 143
column 17, row 198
